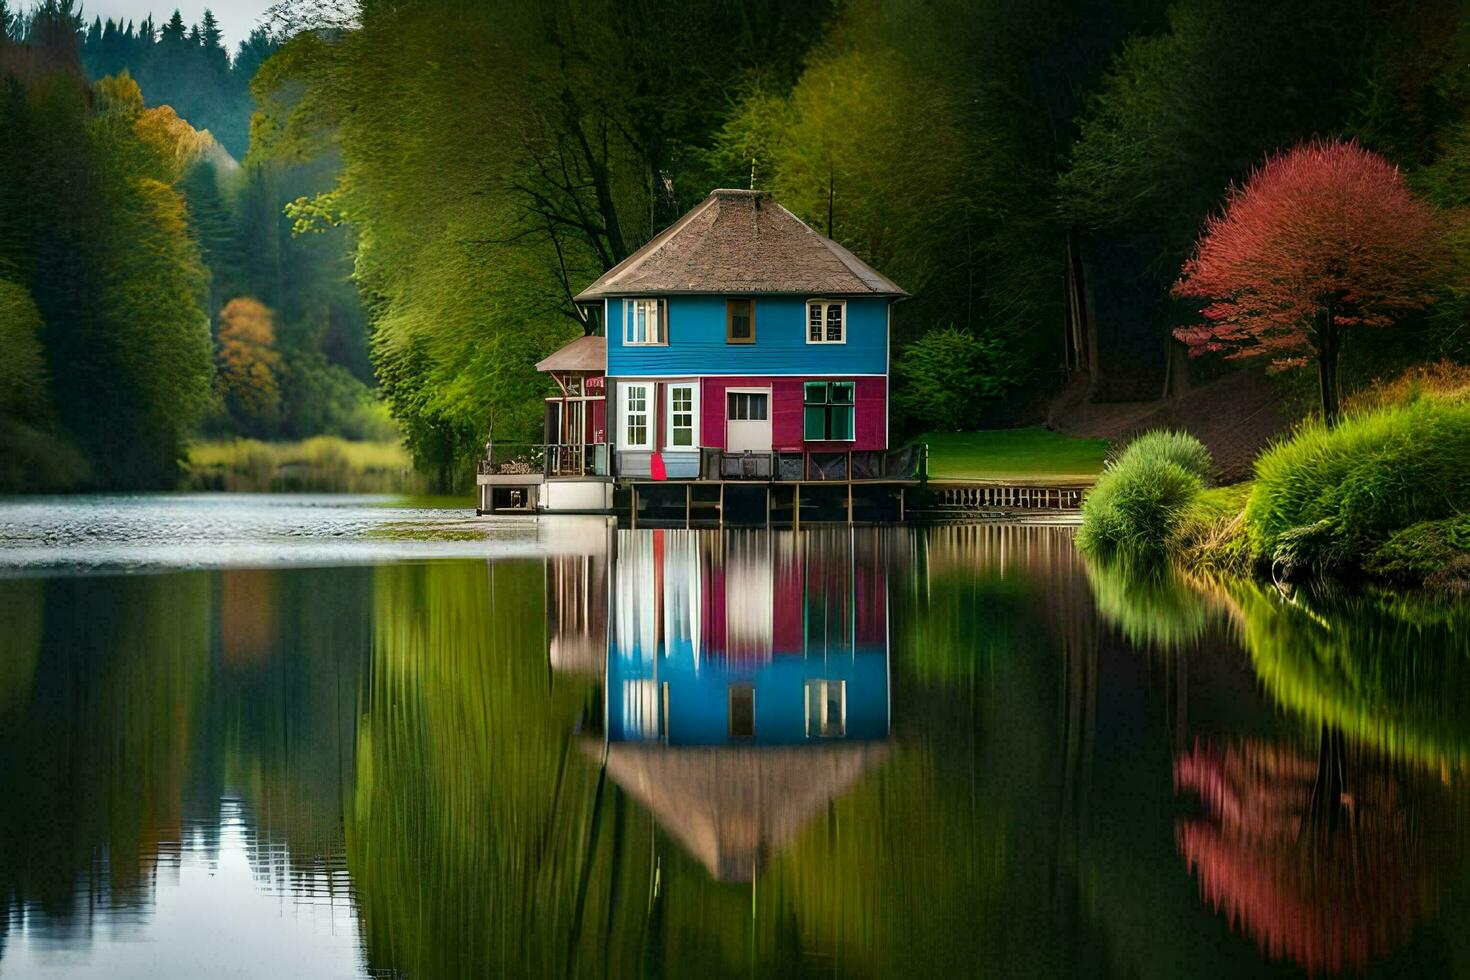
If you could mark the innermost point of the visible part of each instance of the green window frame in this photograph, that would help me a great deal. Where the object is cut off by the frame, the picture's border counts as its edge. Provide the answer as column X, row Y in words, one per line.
column 827, row 411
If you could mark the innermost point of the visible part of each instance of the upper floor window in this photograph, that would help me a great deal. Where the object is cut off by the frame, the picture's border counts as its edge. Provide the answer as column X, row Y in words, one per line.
column 742, row 711
column 645, row 321
column 826, row 709
column 826, row 321
column 739, row 321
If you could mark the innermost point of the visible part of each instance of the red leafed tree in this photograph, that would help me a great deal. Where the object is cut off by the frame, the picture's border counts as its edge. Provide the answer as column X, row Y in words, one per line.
column 1322, row 237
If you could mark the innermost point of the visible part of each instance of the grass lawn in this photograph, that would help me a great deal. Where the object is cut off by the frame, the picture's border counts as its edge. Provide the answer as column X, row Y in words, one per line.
column 1012, row 454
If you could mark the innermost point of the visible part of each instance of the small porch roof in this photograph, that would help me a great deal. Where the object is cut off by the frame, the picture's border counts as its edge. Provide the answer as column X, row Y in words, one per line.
column 585, row 355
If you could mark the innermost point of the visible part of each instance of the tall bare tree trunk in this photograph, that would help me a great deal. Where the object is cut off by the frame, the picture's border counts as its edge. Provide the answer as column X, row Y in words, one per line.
column 1329, row 342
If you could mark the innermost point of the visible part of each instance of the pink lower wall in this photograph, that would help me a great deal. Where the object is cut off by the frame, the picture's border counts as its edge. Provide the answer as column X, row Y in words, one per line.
column 870, row 418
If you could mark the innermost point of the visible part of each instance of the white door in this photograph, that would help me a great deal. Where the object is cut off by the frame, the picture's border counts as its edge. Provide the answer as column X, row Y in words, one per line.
column 748, row 420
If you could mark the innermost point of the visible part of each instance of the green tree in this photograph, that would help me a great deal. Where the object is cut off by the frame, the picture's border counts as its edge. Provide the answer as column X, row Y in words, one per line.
column 1183, row 113
column 548, row 143
column 944, row 380
column 22, row 370
column 920, row 136
column 100, row 238
column 32, row 456
column 173, row 30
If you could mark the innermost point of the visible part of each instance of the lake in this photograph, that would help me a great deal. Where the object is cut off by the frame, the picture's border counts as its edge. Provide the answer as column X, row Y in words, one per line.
column 331, row 737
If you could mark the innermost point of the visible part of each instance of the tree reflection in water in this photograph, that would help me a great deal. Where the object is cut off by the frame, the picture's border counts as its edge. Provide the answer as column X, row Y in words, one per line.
column 1332, row 884
column 1389, row 669
column 1150, row 603
column 1330, row 862
column 859, row 752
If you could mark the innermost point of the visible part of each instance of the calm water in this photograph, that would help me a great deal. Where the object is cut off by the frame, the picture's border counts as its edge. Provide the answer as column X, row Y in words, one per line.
column 320, row 737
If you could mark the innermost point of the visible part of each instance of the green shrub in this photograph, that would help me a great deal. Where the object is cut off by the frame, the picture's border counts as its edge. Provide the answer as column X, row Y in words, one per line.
column 1179, row 448
column 1326, row 497
column 945, row 378
column 1211, row 531
column 1418, row 551
column 1136, row 504
column 37, row 461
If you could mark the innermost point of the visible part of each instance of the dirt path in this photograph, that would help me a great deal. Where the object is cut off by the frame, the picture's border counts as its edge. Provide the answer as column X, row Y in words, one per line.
column 1236, row 417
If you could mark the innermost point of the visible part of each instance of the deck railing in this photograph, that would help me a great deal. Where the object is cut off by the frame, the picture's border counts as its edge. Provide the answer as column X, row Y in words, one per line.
column 551, row 460
column 589, row 459
column 548, row 460
column 903, row 464
column 513, row 459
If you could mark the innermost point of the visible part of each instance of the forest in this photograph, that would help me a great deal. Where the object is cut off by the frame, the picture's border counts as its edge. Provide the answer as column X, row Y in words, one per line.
column 424, row 184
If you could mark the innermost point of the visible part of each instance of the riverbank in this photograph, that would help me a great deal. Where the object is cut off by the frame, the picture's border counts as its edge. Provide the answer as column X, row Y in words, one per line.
column 1382, row 496
column 324, row 464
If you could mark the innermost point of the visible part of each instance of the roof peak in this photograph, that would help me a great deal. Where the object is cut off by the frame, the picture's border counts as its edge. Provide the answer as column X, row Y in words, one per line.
column 740, row 241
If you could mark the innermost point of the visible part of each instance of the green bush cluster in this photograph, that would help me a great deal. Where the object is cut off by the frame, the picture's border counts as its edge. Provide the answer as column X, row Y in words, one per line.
column 1137, row 502
column 1420, row 551
column 945, row 377
column 1326, row 498
column 1211, row 531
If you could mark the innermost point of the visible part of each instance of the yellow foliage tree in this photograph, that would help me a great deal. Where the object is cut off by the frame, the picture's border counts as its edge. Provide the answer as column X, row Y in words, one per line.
column 249, row 364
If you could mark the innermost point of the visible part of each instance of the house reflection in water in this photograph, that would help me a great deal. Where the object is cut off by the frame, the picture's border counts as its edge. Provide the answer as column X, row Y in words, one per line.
column 747, row 682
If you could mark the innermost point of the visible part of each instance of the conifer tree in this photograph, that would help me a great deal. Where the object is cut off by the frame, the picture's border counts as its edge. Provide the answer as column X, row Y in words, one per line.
column 209, row 32
column 174, row 30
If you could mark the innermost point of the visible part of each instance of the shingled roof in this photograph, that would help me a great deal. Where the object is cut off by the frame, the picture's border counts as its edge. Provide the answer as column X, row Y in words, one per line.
column 585, row 354
column 739, row 241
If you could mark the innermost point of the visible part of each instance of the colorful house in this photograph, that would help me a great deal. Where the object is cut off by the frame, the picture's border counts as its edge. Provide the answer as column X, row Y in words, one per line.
column 740, row 329
column 737, row 344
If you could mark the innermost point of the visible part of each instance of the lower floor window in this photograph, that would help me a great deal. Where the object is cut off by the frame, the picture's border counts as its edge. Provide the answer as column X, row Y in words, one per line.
column 681, row 416
column 635, row 417
column 749, row 406
column 827, row 414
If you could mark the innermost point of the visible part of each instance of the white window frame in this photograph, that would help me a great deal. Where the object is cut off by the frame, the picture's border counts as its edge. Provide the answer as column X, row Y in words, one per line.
column 767, row 391
column 824, row 726
column 826, row 305
column 625, row 414
column 669, row 389
column 660, row 310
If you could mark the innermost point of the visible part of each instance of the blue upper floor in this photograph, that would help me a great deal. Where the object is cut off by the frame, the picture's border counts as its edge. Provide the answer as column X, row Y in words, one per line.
column 694, row 336
column 679, row 698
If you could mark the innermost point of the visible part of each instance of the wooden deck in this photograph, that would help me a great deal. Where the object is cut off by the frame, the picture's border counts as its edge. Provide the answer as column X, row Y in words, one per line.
column 770, row 501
